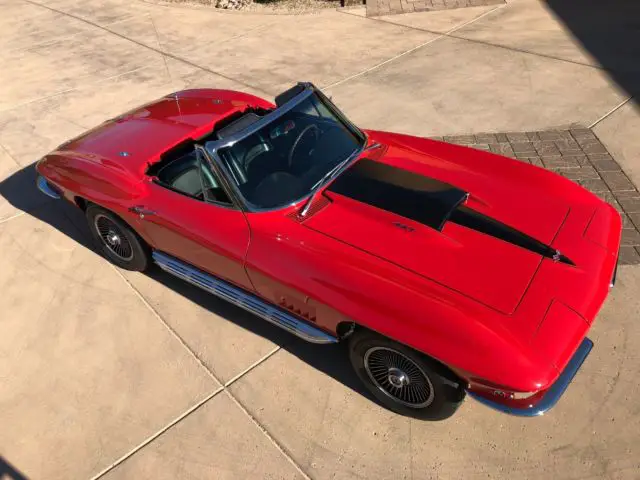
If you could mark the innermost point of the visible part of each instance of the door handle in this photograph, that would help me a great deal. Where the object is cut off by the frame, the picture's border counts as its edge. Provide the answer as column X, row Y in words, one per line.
column 141, row 211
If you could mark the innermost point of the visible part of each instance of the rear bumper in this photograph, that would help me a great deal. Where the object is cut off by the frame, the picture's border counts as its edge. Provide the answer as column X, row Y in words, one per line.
column 540, row 402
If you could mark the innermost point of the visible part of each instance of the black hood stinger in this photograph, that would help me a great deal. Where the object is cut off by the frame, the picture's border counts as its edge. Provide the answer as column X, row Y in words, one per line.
column 428, row 201
column 423, row 199
column 466, row 217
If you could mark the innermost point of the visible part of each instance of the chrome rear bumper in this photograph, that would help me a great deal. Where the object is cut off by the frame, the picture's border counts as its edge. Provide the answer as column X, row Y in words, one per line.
column 541, row 402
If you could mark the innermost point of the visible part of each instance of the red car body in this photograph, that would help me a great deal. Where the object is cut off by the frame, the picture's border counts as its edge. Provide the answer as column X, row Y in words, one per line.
column 503, row 318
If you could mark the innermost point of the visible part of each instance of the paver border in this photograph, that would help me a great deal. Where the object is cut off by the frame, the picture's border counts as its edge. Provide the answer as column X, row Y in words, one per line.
column 579, row 155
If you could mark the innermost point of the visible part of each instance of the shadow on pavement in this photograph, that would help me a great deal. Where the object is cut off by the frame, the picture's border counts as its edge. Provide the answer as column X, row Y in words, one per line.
column 9, row 472
column 610, row 31
column 20, row 191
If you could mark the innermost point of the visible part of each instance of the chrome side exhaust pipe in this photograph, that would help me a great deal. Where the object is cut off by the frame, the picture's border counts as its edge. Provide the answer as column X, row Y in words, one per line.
column 242, row 299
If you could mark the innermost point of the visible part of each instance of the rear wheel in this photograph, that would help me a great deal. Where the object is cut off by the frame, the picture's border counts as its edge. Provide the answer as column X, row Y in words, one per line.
column 404, row 380
column 116, row 241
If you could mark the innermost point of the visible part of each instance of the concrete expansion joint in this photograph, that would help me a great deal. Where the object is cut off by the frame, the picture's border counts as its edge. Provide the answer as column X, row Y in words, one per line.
column 406, row 52
column 224, row 387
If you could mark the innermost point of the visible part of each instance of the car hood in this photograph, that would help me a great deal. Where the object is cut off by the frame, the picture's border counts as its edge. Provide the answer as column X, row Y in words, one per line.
column 477, row 223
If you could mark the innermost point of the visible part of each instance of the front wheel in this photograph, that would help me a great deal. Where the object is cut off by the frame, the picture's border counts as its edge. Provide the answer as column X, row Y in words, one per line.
column 404, row 380
column 116, row 241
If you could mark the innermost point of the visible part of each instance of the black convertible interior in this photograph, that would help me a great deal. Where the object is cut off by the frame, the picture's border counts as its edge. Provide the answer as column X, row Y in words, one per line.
column 280, row 162
column 187, row 172
column 272, row 166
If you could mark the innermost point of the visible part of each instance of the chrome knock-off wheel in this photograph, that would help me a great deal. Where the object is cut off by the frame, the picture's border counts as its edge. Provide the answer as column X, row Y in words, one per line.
column 113, row 237
column 398, row 377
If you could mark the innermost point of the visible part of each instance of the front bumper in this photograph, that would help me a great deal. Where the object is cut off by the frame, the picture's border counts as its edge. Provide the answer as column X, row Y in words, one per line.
column 540, row 402
column 46, row 188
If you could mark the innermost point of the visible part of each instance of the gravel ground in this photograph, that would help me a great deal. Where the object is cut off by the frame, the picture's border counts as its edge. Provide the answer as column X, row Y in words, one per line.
column 275, row 7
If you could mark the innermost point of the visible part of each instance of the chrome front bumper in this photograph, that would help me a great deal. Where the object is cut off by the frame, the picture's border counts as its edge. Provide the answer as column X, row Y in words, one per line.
column 540, row 402
column 46, row 188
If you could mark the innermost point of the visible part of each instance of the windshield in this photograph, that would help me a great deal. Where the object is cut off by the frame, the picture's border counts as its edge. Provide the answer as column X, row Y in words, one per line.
column 284, row 160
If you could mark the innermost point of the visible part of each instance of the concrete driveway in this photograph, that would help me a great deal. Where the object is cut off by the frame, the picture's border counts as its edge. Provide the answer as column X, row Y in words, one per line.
column 108, row 374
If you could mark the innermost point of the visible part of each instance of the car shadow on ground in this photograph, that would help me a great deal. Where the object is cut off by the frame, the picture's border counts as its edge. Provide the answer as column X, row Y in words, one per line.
column 610, row 31
column 9, row 472
column 20, row 191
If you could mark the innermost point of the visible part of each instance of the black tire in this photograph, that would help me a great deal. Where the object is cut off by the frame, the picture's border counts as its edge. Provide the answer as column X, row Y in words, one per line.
column 116, row 240
column 436, row 393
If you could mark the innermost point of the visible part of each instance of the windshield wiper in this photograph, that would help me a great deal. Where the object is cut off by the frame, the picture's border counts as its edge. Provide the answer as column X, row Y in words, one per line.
column 330, row 174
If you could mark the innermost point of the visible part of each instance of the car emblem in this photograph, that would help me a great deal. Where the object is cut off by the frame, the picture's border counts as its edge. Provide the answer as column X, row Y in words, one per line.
column 404, row 227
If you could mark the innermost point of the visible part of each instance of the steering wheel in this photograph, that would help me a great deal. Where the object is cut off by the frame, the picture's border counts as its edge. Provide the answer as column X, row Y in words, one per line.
column 309, row 128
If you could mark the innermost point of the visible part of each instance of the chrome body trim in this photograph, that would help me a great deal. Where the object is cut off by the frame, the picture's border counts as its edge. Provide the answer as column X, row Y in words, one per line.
column 242, row 299
column 346, row 164
column 550, row 397
column 45, row 188
column 254, row 127
column 249, row 207
column 211, row 147
column 374, row 146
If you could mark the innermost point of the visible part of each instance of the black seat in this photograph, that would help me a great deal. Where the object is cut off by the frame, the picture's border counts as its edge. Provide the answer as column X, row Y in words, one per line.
column 183, row 175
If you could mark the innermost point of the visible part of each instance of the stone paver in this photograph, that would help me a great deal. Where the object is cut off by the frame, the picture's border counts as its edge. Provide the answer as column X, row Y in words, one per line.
column 94, row 365
column 390, row 7
column 578, row 155
column 619, row 132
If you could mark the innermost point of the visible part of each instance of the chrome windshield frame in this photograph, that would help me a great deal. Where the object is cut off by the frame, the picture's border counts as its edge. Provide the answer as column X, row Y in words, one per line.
column 211, row 147
column 214, row 145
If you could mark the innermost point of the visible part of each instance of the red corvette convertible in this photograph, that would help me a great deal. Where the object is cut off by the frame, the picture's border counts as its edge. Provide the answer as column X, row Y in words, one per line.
column 448, row 270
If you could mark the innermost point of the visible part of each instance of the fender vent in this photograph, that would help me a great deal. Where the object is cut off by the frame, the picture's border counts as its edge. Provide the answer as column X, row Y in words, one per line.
column 294, row 306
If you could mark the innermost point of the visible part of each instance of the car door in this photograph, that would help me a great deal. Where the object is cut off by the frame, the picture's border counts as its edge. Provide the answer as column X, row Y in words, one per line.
column 188, row 215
